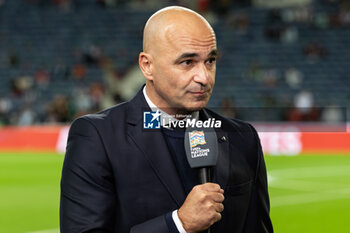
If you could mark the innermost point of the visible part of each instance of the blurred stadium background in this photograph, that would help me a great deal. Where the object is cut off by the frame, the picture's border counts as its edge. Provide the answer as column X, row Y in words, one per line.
column 283, row 66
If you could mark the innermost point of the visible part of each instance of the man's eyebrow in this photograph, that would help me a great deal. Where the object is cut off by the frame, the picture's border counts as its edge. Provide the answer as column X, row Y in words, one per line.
column 186, row 55
column 213, row 53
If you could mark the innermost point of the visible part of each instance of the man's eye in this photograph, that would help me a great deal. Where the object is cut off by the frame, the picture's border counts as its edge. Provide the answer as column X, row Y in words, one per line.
column 211, row 60
column 187, row 62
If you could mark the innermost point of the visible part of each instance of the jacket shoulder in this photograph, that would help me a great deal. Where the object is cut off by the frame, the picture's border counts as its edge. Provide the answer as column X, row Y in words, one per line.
column 107, row 114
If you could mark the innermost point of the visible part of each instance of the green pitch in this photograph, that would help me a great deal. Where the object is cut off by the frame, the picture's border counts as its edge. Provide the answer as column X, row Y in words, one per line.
column 29, row 191
column 308, row 193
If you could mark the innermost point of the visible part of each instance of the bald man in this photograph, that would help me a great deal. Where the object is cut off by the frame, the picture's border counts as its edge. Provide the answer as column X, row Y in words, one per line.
column 119, row 176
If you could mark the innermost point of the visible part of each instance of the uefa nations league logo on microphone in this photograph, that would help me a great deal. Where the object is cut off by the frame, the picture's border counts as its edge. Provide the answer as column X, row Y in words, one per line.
column 201, row 147
column 197, row 138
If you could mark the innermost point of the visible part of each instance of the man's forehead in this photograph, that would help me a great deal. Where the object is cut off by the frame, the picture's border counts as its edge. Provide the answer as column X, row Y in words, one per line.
column 202, row 41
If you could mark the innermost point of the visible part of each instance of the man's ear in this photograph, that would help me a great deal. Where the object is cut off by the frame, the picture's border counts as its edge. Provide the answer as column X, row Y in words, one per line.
column 146, row 65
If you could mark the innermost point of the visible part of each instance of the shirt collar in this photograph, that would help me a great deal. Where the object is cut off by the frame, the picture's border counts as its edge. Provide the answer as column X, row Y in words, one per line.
column 164, row 115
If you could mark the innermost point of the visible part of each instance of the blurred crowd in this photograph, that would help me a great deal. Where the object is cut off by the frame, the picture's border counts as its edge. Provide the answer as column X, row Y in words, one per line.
column 24, row 106
column 85, row 97
column 115, row 86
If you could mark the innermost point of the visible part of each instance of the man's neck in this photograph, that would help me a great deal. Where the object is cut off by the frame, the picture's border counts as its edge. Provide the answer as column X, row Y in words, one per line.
column 172, row 117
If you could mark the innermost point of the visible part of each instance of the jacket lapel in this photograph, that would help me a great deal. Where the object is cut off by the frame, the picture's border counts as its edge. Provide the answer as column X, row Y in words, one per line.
column 222, row 168
column 154, row 147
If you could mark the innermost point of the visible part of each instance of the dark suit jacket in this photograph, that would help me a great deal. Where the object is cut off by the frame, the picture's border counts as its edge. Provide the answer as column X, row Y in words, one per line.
column 119, row 177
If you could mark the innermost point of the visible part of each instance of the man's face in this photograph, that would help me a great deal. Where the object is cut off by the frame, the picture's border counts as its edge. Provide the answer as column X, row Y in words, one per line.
column 184, row 67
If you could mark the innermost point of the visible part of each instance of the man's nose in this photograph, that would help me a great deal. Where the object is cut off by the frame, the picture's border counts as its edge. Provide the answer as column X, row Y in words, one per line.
column 202, row 74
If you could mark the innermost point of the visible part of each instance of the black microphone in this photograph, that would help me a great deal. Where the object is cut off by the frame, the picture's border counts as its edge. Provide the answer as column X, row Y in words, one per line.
column 201, row 148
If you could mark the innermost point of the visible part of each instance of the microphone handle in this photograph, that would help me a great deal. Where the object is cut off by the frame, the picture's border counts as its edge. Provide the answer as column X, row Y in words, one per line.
column 204, row 177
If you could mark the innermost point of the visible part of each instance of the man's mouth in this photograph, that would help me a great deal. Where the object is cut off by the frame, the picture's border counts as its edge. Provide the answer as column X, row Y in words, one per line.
column 198, row 92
